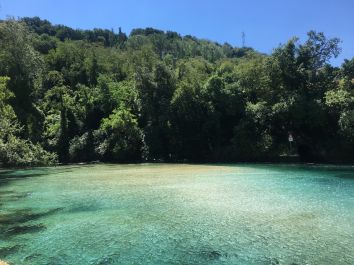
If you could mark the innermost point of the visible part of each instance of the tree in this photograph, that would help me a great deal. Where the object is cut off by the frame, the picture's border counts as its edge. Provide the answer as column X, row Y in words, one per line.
column 318, row 50
column 120, row 138
column 20, row 62
column 15, row 151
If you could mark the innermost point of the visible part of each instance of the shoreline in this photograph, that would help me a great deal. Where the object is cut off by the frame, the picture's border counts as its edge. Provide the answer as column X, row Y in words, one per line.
column 319, row 164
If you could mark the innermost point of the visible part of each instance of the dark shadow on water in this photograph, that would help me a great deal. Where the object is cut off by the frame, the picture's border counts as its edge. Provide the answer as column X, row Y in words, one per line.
column 30, row 173
column 207, row 255
column 45, row 260
column 345, row 176
column 211, row 254
column 10, row 196
column 6, row 180
column 109, row 260
column 6, row 251
column 7, row 176
column 23, row 229
column 6, row 192
column 84, row 208
column 271, row 261
column 16, row 223
column 32, row 257
column 24, row 215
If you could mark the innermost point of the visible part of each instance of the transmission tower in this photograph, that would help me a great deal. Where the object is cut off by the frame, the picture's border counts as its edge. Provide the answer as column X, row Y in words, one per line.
column 243, row 39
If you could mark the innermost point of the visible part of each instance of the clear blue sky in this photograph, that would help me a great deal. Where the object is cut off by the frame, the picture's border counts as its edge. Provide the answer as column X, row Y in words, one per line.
column 266, row 23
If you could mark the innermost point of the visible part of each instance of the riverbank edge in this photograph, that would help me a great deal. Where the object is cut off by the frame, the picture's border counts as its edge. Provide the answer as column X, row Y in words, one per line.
column 226, row 163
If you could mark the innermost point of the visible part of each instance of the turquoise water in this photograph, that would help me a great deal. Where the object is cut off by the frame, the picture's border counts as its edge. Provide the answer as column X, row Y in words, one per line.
column 177, row 214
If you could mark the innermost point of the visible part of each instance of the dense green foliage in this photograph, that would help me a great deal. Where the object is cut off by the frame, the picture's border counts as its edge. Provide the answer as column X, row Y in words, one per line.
column 85, row 95
column 14, row 150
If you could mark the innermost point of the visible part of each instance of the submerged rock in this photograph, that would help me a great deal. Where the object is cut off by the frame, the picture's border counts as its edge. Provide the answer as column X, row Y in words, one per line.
column 32, row 257
column 3, row 262
column 211, row 254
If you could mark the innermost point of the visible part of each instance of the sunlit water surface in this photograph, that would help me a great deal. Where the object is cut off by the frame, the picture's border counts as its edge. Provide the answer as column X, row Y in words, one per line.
column 178, row 214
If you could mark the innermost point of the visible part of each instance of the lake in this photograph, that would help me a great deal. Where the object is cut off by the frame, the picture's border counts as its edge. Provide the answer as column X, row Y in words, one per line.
column 178, row 214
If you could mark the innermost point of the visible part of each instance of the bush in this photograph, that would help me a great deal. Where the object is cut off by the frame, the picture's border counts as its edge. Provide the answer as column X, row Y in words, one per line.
column 20, row 152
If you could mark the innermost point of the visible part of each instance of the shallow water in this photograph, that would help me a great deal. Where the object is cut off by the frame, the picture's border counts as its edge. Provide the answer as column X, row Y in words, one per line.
column 178, row 214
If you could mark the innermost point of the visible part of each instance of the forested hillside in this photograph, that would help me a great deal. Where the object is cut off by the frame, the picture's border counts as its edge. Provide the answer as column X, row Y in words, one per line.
column 70, row 95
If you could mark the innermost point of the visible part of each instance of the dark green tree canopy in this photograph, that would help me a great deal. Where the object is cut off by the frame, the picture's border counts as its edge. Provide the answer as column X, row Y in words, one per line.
column 85, row 95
